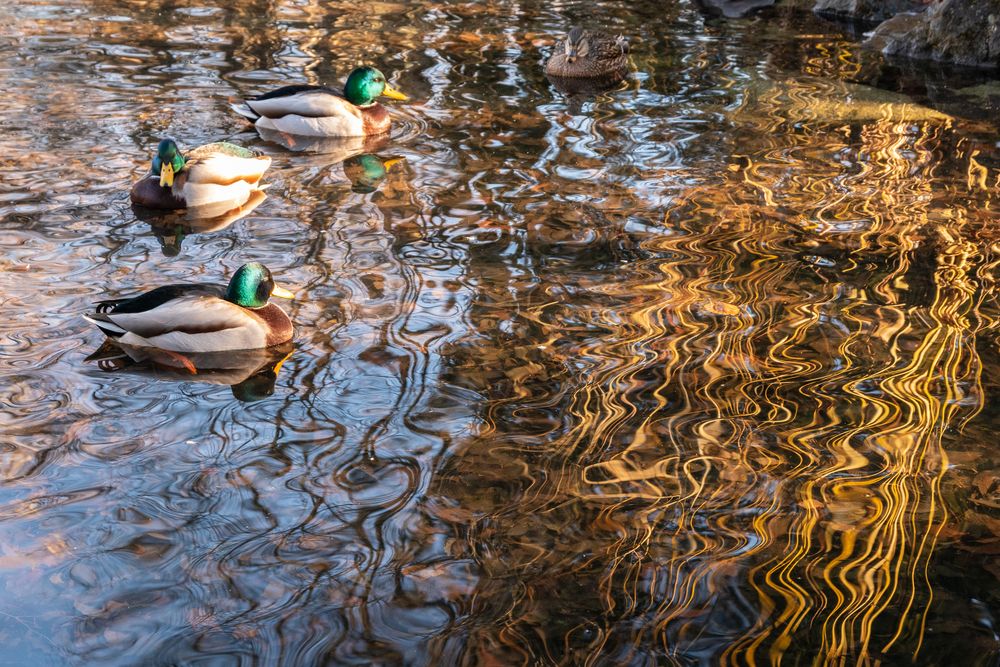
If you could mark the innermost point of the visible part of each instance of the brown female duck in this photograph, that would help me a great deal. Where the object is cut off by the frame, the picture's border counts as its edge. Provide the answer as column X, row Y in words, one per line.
column 589, row 54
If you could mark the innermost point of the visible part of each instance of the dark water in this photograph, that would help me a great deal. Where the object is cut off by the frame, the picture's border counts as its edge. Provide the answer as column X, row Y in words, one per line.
column 700, row 370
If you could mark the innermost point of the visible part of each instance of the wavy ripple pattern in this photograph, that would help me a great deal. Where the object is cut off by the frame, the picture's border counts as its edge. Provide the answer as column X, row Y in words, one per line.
column 692, row 371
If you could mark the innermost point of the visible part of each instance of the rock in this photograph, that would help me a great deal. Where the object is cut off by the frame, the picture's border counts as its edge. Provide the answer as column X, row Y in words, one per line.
column 868, row 11
column 965, row 32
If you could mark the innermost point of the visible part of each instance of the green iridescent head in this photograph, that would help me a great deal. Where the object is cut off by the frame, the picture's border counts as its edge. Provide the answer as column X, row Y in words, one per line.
column 252, row 285
column 367, row 83
column 167, row 162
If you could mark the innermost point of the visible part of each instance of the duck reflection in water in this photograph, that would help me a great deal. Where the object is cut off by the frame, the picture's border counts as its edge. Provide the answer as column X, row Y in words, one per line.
column 358, row 155
column 366, row 171
column 329, row 150
column 171, row 228
column 579, row 91
column 250, row 373
column 582, row 88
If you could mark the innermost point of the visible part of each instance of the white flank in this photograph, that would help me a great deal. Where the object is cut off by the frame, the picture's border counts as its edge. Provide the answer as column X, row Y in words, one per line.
column 223, row 168
column 178, row 341
column 346, row 126
column 220, row 198
column 228, row 327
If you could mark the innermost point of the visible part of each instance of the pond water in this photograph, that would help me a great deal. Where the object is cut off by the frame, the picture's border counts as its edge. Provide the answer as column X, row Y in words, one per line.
column 696, row 370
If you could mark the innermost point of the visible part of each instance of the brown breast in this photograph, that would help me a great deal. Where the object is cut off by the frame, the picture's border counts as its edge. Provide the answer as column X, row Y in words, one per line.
column 375, row 119
column 147, row 192
column 279, row 327
column 559, row 65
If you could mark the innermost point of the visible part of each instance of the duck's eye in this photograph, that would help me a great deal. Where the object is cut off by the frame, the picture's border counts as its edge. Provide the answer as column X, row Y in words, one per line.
column 264, row 289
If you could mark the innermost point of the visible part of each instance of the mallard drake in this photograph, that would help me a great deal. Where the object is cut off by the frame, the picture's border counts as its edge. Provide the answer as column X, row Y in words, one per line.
column 214, row 177
column 200, row 318
column 589, row 54
column 319, row 111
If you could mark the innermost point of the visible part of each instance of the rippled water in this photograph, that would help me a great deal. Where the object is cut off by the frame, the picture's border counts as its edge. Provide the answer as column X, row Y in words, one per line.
column 699, row 370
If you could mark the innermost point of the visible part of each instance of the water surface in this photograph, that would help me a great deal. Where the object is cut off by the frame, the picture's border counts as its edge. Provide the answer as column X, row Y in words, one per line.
column 697, row 370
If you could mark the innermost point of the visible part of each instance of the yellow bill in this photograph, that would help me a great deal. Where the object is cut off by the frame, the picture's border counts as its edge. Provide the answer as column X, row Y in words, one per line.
column 393, row 94
column 282, row 292
column 392, row 161
column 167, row 175
column 277, row 366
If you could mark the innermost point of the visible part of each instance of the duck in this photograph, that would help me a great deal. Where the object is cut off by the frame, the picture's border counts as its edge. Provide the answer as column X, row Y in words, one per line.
column 589, row 54
column 320, row 111
column 188, row 318
column 212, row 178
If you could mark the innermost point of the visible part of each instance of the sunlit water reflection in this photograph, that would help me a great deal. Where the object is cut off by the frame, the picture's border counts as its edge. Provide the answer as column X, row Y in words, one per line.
column 696, row 370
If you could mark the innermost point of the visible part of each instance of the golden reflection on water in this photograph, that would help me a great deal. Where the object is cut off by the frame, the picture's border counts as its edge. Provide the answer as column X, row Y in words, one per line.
column 732, row 426
column 692, row 371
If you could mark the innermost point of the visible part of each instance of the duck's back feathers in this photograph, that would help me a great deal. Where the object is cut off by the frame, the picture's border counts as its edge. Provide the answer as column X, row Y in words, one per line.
column 289, row 90
column 609, row 49
column 223, row 164
column 157, row 297
column 224, row 148
column 307, row 101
